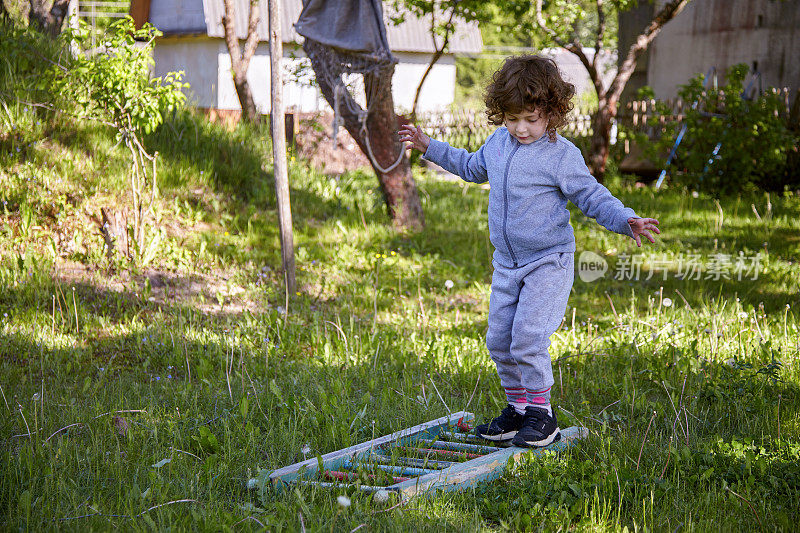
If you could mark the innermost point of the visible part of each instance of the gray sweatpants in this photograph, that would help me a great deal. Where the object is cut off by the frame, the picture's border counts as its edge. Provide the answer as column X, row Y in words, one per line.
column 526, row 306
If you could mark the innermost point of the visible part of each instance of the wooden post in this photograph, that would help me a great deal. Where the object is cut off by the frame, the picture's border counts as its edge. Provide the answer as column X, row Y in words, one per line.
column 278, row 131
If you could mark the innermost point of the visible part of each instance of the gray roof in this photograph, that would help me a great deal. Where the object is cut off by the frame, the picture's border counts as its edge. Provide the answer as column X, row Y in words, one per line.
column 204, row 17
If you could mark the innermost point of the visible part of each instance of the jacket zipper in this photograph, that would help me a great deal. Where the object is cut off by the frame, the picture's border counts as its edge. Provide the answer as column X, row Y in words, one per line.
column 505, row 205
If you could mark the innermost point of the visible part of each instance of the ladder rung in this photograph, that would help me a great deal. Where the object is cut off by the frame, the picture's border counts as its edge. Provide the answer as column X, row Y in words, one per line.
column 349, row 476
column 412, row 461
column 328, row 484
column 464, row 437
column 400, row 470
column 446, row 453
column 458, row 446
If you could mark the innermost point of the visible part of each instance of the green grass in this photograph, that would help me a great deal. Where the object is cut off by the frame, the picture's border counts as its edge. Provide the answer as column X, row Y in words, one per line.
column 194, row 346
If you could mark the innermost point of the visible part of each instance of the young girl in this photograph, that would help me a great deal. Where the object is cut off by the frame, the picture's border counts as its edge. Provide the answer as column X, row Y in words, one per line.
column 532, row 171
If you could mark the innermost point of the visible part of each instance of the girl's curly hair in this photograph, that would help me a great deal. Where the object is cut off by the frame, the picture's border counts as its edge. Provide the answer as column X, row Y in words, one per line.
column 529, row 82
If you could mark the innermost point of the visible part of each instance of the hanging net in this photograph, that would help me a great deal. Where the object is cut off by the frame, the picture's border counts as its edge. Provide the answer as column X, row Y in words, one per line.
column 343, row 38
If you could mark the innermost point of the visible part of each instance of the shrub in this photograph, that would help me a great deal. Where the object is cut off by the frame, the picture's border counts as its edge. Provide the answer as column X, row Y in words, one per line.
column 732, row 144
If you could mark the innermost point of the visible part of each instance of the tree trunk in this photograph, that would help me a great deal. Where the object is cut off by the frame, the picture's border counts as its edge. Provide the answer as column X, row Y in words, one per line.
column 246, row 101
column 240, row 60
column 280, row 166
column 398, row 186
column 49, row 22
column 608, row 99
column 607, row 109
column 601, row 138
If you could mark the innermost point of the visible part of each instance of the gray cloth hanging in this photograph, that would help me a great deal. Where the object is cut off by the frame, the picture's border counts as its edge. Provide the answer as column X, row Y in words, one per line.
column 348, row 25
column 349, row 37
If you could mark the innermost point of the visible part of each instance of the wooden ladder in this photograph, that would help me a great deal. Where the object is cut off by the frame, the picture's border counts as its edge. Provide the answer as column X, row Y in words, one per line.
column 436, row 455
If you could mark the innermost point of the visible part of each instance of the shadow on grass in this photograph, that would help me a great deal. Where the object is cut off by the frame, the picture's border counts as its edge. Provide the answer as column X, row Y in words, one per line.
column 352, row 391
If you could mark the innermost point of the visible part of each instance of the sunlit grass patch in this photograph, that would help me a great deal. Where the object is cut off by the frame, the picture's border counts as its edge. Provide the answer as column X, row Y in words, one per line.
column 689, row 387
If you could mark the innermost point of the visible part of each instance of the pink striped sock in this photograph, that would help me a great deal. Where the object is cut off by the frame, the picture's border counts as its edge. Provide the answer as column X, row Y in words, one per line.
column 517, row 398
column 540, row 399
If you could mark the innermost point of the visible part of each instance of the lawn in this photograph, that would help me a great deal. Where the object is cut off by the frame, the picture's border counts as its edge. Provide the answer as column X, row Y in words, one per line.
column 145, row 396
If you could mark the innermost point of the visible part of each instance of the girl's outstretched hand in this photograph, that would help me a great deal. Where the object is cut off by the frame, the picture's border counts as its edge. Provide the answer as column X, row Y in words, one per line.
column 414, row 135
column 643, row 226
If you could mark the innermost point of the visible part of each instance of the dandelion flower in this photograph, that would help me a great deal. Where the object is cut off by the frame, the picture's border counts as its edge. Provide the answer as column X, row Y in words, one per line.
column 448, row 284
column 306, row 449
column 667, row 302
column 344, row 501
column 742, row 314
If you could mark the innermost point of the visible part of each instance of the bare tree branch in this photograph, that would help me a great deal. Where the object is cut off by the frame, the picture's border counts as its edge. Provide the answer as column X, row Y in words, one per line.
column 574, row 47
column 240, row 61
column 438, row 52
column 549, row 31
column 601, row 30
column 251, row 43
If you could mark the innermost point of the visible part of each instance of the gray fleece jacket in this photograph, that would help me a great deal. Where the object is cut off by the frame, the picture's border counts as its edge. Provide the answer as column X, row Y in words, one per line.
column 530, row 186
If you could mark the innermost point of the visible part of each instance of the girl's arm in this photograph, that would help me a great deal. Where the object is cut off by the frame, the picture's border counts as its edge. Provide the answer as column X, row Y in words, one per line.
column 597, row 202
column 469, row 166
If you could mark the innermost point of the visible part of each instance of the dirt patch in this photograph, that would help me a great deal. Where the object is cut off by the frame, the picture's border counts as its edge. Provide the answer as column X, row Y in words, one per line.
column 314, row 144
column 213, row 292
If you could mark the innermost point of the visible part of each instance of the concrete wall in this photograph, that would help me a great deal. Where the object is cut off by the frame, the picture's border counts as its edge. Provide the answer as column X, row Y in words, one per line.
column 764, row 34
column 207, row 69
column 631, row 23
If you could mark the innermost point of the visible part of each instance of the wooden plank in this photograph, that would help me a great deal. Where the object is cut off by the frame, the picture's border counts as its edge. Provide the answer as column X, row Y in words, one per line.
column 333, row 460
column 486, row 468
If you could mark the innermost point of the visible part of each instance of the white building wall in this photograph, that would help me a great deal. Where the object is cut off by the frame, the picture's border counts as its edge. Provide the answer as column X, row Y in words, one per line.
column 440, row 85
column 207, row 69
column 197, row 58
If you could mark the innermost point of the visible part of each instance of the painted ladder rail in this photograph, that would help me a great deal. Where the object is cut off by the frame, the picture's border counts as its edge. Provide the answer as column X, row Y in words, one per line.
column 456, row 476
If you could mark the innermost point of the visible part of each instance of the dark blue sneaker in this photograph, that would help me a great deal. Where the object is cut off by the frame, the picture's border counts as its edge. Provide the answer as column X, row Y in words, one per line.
column 503, row 427
column 538, row 429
